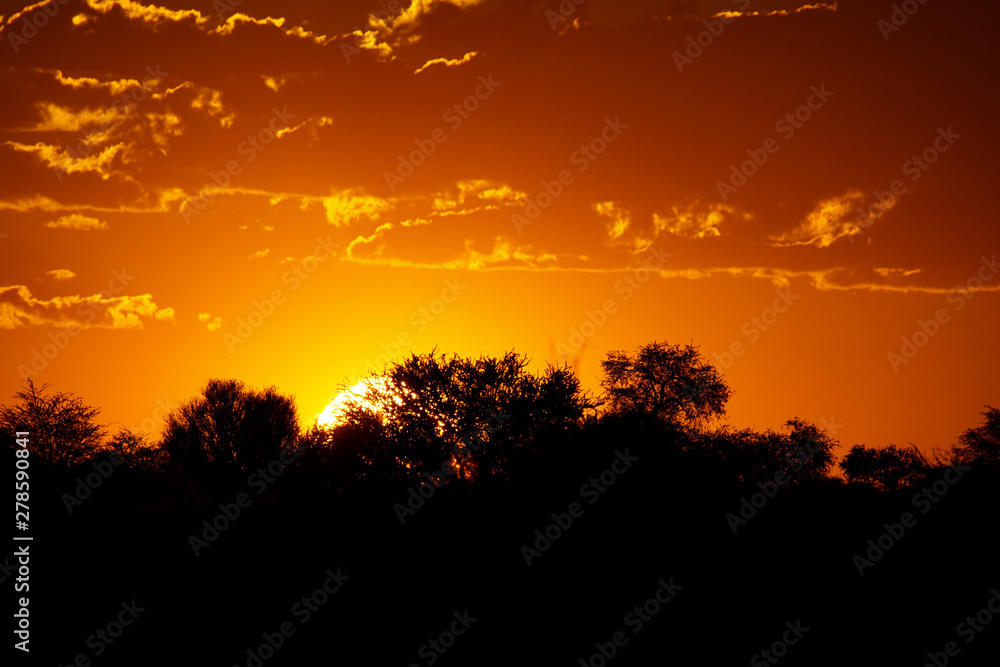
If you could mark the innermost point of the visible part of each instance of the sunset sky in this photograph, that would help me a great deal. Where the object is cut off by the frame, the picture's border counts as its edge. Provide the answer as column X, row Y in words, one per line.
column 280, row 192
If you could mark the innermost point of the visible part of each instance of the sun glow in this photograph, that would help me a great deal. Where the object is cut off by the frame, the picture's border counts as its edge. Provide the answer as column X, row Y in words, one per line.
column 333, row 414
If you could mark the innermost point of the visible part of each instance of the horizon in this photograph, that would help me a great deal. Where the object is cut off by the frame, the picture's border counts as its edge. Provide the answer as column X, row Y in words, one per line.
column 279, row 202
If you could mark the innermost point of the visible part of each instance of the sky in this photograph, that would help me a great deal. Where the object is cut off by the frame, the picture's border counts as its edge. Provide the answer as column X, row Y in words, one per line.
column 296, row 193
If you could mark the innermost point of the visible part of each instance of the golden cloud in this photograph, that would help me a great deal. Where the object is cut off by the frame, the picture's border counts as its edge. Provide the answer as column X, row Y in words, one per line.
column 211, row 323
column 83, row 223
column 447, row 62
column 19, row 309
column 61, row 274
column 825, row 224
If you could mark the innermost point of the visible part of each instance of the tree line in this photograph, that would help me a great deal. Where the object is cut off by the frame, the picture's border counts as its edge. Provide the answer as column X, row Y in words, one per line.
column 480, row 422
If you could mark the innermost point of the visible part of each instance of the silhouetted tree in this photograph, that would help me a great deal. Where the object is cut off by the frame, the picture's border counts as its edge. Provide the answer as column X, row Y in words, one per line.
column 887, row 469
column 136, row 452
column 480, row 414
column 672, row 383
column 803, row 455
column 219, row 438
column 63, row 431
column 980, row 446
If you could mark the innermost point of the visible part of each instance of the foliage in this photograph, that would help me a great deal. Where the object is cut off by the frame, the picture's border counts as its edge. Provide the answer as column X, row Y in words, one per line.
column 228, row 432
column 980, row 446
column 63, row 431
column 672, row 383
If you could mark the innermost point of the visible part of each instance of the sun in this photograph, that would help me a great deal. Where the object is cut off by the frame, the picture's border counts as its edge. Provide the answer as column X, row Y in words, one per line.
column 333, row 413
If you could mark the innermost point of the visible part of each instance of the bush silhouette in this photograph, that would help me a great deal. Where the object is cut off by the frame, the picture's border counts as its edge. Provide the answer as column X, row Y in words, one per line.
column 63, row 431
column 886, row 469
column 228, row 432
column 980, row 446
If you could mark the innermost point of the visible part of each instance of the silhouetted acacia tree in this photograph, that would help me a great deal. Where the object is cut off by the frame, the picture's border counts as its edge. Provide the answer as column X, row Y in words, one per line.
column 887, row 469
column 672, row 383
column 136, row 452
column 803, row 455
column 219, row 438
column 481, row 414
column 980, row 446
column 63, row 431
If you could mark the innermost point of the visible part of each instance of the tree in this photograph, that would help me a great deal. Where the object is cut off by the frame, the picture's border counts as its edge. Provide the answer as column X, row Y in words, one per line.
column 980, row 446
column 801, row 456
column 136, row 452
column 229, row 432
column 63, row 431
column 887, row 469
column 480, row 416
column 672, row 383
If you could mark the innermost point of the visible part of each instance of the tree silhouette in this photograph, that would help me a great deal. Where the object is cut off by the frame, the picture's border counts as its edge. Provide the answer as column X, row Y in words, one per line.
column 63, row 431
column 480, row 414
column 219, row 438
column 887, row 469
column 136, row 452
column 672, row 383
column 980, row 446
column 804, row 455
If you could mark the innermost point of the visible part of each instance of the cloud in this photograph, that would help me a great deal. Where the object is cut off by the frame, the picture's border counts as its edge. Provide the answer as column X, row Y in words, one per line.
column 260, row 254
column 885, row 272
column 211, row 323
column 387, row 33
column 343, row 208
column 209, row 100
column 696, row 221
column 83, row 223
column 826, row 223
column 447, row 62
column 152, row 15
column 483, row 194
column 63, row 160
column 19, row 309
column 61, row 274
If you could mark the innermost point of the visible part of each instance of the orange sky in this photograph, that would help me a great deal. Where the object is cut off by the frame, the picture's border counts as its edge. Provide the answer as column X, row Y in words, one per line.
column 486, row 175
